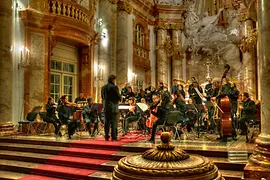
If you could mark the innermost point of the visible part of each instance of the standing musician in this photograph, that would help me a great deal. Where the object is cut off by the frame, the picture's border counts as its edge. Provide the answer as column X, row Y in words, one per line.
column 66, row 111
column 248, row 112
column 211, row 92
column 90, row 116
column 226, row 91
column 161, row 114
column 195, row 91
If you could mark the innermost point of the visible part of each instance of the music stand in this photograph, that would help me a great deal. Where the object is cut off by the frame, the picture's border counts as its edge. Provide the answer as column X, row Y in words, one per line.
column 201, row 110
column 142, row 108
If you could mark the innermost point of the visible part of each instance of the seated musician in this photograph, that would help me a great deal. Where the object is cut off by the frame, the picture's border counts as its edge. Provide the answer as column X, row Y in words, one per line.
column 131, row 116
column 80, row 98
column 66, row 111
column 248, row 112
column 180, row 105
column 51, row 116
column 163, row 108
column 191, row 113
column 90, row 116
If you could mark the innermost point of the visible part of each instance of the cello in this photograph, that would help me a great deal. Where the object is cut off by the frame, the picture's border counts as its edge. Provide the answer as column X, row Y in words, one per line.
column 225, row 106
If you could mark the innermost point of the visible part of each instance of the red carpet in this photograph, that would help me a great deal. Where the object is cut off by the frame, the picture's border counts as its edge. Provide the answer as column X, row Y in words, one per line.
column 89, row 154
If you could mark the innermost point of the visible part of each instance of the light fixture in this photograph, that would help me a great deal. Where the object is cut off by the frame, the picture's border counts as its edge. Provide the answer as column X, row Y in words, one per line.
column 100, row 71
column 24, row 57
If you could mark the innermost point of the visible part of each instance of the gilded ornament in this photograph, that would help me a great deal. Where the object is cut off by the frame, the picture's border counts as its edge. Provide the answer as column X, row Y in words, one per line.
column 124, row 6
column 243, row 16
column 113, row 1
column 166, row 162
column 247, row 43
column 40, row 5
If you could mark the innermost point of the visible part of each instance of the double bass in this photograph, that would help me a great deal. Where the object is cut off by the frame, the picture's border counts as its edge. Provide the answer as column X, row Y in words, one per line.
column 225, row 106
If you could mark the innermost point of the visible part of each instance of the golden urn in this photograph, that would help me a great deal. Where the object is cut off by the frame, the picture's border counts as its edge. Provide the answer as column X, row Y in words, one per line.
column 166, row 162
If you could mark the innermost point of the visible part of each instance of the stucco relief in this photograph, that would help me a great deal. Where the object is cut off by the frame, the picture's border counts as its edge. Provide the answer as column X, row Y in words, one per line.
column 171, row 2
column 36, row 73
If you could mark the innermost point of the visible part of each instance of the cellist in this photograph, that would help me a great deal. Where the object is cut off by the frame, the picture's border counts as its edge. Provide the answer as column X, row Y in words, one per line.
column 152, row 118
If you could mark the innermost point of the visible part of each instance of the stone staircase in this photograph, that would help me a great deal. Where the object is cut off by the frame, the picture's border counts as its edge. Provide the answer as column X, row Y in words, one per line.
column 66, row 160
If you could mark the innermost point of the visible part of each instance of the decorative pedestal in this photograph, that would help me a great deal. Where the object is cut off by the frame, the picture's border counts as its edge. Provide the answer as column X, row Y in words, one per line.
column 165, row 162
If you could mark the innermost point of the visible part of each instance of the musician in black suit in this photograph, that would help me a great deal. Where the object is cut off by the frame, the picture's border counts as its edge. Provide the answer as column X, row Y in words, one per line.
column 132, row 114
column 194, row 94
column 80, row 98
column 111, row 99
column 66, row 111
column 248, row 112
column 90, row 116
column 51, row 116
column 161, row 113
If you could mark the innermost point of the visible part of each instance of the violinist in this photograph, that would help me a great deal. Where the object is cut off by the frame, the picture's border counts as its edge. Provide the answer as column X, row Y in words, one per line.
column 131, row 116
column 51, row 116
column 162, row 111
column 66, row 111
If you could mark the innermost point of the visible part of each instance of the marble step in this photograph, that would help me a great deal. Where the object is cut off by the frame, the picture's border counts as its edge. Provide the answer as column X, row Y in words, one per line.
column 228, row 175
column 55, row 150
column 8, row 175
column 55, row 171
column 222, row 163
column 61, row 142
column 78, row 162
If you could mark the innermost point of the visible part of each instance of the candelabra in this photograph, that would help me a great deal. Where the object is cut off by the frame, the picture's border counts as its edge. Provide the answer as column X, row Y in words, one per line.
column 24, row 57
column 100, row 72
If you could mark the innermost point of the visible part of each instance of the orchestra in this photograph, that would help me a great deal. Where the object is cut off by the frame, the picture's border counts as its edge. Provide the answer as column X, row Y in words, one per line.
column 214, row 108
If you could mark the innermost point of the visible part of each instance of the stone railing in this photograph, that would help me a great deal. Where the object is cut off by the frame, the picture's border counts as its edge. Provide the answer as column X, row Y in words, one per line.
column 69, row 9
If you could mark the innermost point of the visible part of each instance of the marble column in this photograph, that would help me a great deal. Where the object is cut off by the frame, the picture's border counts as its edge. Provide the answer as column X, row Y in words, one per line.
column 249, row 72
column 6, row 73
column 258, row 166
column 177, row 60
column 106, row 48
column 124, row 57
column 162, row 58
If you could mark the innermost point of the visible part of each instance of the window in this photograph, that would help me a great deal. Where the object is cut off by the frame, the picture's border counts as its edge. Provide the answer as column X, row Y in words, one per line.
column 139, row 35
column 63, row 76
column 139, row 40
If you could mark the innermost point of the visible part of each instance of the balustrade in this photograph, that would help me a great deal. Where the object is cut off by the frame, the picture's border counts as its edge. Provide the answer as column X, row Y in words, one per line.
column 69, row 9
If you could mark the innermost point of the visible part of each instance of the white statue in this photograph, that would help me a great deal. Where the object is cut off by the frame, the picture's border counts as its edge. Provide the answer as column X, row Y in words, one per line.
column 205, row 39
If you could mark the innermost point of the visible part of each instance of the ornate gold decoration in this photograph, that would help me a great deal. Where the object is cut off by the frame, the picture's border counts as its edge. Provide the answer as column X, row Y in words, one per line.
column 113, row 1
column 247, row 43
column 173, row 26
column 170, row 49
column 167, row 163
column 40, row 5
column 165, row 151
column 124, row 6
column 243, row 16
